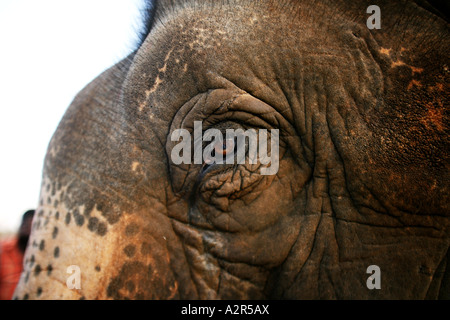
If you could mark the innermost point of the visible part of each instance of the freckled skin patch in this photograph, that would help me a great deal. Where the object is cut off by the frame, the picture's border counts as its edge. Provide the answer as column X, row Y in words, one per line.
column 101, row 229
column 55, row 232
column 53, row 240
column 37, row 270
column 120, row 286
column 79, row 219
column 129, row 250
column 42, row 245
column 135, row 165
column 49, row 269
column 93, row 224
column 67, row 220
column 56, row 252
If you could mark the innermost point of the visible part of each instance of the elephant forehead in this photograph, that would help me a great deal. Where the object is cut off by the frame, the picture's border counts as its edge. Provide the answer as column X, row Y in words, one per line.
column 197, row 50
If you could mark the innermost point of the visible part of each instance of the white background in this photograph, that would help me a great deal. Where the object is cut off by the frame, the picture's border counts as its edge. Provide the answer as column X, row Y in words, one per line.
column 49, row 50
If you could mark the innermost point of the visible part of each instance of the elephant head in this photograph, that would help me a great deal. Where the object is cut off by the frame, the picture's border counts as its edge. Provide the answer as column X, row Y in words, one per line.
column 361, row 117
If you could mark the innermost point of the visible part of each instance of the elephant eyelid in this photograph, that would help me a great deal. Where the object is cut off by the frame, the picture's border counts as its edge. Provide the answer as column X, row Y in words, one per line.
column 226, row 149
column 223, row 148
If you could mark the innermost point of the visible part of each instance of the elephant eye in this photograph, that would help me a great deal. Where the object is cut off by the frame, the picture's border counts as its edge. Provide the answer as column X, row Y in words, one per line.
column 225, row 147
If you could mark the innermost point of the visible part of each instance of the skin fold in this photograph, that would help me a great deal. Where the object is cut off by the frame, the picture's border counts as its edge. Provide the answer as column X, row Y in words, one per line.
column 363, row 173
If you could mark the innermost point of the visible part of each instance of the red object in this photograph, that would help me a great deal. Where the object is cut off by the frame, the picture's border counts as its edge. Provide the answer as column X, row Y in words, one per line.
column 11, row 265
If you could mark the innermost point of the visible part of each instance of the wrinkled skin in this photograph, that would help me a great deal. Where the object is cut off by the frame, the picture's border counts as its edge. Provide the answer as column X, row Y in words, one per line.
column 363, row 177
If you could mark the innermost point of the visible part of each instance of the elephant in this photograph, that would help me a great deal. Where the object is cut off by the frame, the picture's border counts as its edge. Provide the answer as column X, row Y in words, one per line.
column 358, row 207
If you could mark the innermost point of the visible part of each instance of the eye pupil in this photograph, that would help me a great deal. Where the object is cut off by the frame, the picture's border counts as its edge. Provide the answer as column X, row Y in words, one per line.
column 226, row 147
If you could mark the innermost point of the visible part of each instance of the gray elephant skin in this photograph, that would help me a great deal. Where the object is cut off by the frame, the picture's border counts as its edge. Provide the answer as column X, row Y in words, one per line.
column 363, row 176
